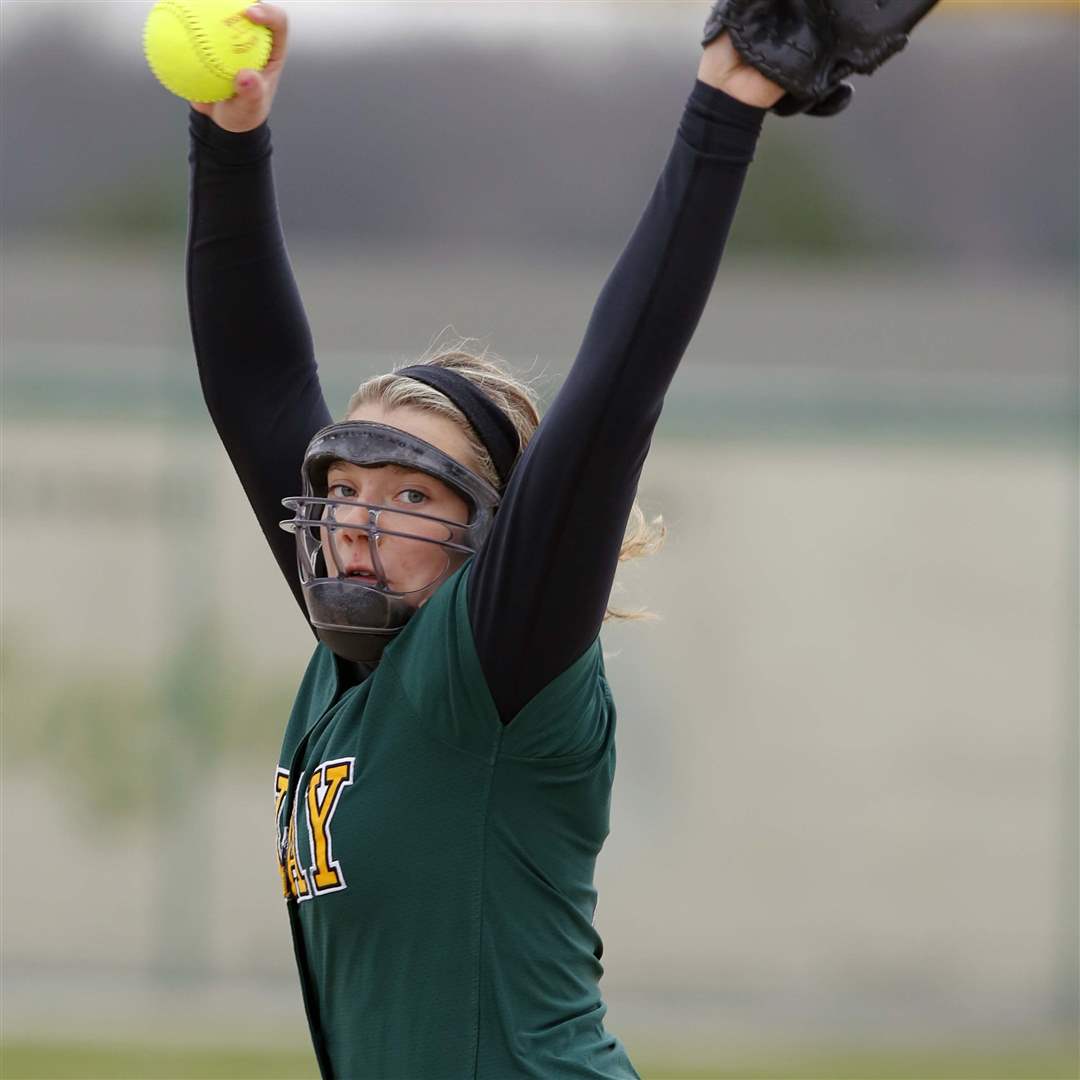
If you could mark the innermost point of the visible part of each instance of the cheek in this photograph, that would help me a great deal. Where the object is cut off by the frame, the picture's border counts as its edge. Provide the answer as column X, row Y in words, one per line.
column 417, row 569
column 416, row 560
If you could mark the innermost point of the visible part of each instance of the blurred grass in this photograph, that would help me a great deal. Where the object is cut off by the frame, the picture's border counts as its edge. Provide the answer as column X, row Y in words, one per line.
column 94, row 726
column 38, row 1061
column 35, row 1061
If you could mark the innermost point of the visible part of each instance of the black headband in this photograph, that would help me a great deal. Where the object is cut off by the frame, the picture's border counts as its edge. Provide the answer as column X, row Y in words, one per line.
column 492, row 426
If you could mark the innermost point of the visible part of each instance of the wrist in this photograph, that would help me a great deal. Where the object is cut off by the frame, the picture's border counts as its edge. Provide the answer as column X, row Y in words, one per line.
column 723, row 69
column 231, row 147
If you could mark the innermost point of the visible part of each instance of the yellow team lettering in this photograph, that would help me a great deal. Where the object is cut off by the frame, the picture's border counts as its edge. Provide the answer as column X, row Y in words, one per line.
column 295, row 874
column 281, row 789
column 324, row 790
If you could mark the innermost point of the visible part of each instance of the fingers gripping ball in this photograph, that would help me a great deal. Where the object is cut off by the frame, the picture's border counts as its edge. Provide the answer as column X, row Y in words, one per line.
column 196, row 47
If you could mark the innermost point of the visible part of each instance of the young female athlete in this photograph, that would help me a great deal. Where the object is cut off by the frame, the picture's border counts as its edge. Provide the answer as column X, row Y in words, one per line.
column 444, row 784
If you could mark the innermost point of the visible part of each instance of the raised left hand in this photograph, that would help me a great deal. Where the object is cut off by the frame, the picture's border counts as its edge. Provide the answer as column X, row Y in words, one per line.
column 723, row 68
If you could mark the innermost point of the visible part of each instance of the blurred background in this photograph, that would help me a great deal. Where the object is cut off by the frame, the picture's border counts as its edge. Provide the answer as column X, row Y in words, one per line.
column 844, row 834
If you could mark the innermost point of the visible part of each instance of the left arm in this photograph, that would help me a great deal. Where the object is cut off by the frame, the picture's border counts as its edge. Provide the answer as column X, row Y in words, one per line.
column 539, row 588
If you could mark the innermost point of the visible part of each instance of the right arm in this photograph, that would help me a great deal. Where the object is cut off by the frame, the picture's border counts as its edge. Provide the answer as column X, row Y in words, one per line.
column 252, row 343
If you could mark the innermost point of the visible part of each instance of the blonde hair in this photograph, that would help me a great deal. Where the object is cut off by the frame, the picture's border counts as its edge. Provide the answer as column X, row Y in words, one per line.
column 518, row 401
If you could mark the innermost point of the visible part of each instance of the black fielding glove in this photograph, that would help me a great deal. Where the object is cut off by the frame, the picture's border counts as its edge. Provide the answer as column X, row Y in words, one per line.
column 809, row 47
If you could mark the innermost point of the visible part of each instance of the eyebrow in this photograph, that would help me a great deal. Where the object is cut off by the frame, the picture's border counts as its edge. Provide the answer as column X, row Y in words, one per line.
column 403, row 470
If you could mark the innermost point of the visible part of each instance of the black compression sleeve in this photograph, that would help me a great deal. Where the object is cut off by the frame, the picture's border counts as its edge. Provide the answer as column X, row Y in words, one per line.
column 540, row 586
column 252, row 342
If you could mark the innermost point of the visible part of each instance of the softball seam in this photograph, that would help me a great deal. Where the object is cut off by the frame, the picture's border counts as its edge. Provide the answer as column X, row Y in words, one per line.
column 200, row 41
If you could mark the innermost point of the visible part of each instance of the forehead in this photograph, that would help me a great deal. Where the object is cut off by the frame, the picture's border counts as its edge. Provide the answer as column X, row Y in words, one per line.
column 437, row 430
column 390, row 471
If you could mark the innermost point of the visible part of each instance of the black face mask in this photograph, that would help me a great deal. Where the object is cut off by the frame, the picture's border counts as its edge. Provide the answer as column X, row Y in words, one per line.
column 342, row 544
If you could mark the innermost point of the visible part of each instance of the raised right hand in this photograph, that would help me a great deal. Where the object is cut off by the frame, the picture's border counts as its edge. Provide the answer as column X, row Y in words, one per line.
column 250, row 105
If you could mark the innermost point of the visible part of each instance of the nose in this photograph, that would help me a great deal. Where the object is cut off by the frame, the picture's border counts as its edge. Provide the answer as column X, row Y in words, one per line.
column 362, row 520
column 352, row 542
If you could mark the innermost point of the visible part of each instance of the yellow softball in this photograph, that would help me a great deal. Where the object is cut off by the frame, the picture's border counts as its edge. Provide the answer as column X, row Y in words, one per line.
column 196, row 47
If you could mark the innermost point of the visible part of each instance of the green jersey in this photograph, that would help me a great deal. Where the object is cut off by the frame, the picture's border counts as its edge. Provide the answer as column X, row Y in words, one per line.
column 438, row 864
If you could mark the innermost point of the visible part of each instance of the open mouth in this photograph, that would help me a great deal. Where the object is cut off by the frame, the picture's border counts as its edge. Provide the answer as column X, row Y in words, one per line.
column 365, row 576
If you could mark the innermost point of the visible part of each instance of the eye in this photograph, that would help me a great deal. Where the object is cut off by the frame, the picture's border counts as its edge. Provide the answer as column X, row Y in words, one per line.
column 341, row 491
column 412, row 496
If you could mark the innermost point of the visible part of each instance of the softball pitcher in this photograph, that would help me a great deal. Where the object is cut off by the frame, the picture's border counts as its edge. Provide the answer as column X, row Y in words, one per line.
column 444, row 784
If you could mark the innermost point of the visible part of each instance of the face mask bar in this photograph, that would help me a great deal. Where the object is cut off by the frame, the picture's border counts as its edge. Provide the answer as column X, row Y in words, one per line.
column 336, row 536
column 349, row 551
